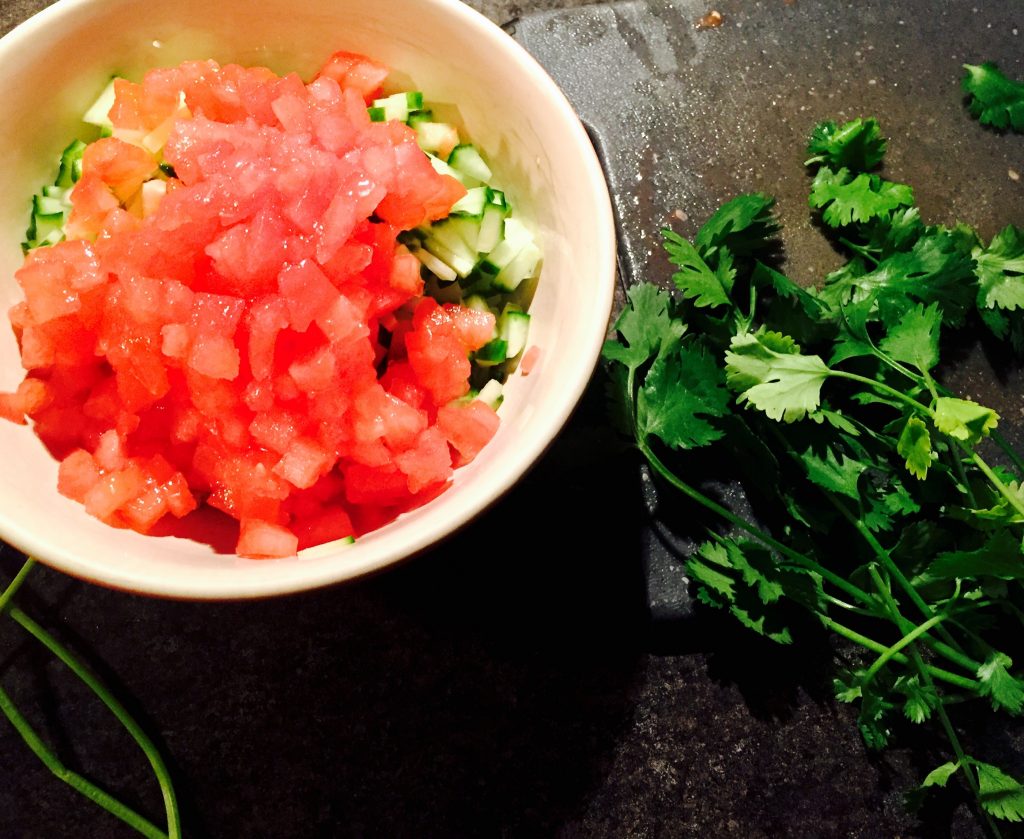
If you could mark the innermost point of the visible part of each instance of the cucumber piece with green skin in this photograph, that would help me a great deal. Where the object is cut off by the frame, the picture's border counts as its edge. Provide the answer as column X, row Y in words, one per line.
column 514, row 328
column 397, row 106
column 442, row 168
column 453, row 240
column 515, row 237
column 465, row 158
column 492, row 225
column 521, row 267
column 43, row 205
column 456, row 256
column 492, row 353
column 474, row 203
column 70, row 165
column 492, row 394
column 416, row 117
column 444, row 272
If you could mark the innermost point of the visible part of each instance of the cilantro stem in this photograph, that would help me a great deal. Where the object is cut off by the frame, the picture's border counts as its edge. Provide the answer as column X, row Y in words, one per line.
column 909, row 638
column 951, row 649
column 986, row 470
column 16, row 583
column 947, row 725
column 740, row 522
column 874, row 646
column 73, row 779
column 849, row 607
column 119, row 711
column 860, row 250
column 882, row 387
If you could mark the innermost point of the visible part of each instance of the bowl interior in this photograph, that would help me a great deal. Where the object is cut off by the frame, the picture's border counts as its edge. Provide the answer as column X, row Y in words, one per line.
column 53, row 66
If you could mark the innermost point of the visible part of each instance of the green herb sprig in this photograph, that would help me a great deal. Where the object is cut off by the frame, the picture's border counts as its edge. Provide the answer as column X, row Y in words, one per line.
column 993, row 98
column 887, row 507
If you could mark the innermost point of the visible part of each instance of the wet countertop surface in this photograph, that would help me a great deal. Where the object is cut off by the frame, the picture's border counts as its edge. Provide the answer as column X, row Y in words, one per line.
column 561, row 691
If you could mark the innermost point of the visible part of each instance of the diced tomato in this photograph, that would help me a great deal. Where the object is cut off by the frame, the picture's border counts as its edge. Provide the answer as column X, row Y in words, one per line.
column 355, row 72
column 468, row 426
column 265, row 540
column 256, row 341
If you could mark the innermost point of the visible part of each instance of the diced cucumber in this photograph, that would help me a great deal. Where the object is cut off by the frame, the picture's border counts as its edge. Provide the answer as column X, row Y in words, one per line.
column 436, row 137
column 492, row 353
column 443, row 168
column 515, row 238
column 45, row 206
column 99, row 112
column 397, row 106
column 523, row 266
column 514, row 327
column 467, row 160
column 416, row 117
column 70, row 165
column 459, row 258
column 473, row 203
column 492, row 394
column 492, row 227
column 454, row 241
column 445, row 273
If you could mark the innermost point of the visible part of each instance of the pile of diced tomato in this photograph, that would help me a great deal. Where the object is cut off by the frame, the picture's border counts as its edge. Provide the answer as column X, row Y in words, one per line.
column 254, row 337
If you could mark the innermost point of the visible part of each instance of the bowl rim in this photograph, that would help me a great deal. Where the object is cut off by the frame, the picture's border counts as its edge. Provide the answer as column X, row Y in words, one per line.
column 230, row 585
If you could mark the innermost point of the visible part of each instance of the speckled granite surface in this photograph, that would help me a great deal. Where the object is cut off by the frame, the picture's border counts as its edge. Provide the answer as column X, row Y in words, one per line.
column 525, row 695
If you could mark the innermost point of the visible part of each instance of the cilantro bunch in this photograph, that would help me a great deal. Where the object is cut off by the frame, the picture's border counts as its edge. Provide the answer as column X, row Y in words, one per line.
column 886, row 507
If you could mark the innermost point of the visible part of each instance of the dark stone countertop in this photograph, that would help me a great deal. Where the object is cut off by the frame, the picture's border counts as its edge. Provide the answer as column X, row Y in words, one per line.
column 524, row 693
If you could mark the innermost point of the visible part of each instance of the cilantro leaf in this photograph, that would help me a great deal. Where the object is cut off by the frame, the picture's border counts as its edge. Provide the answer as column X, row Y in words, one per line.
column 873, row 717
column 742, row 226
column 963, row 419
column 766, row 277
column 645, row 326
column 940, row 775
column 999, row 513
column 993, row 98
column 915, row 444
column 920, row 701
column 895, row 232
column 857, row 145
column 683, row 387
column 938, row 269
column 695, row 279
column 744, row 578
column 771, row 374
column 1005, row 326
column 915, row 338
column 1000, row 556
column 1001, row 795
column 1000, row 271
column 1005, row 691
column 836, row 474
column 865, row 197
column 619, row 399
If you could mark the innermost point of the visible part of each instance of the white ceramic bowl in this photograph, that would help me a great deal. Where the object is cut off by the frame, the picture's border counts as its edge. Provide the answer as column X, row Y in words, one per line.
column 54, row 64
